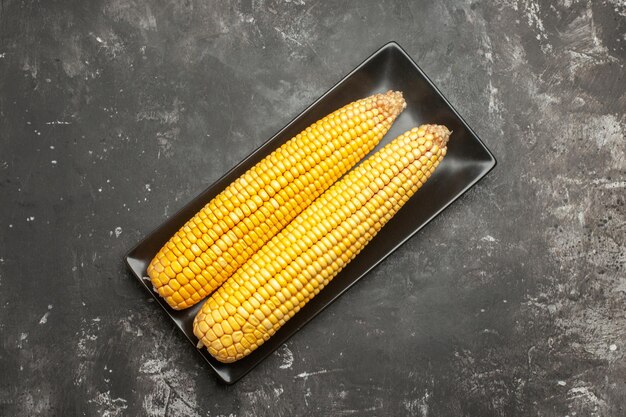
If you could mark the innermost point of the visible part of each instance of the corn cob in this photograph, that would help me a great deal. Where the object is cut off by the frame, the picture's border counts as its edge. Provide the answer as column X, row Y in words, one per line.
column 236, row 223
column 299, row 261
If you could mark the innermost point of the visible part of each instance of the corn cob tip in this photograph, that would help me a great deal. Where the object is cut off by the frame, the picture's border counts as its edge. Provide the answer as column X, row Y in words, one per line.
column 442, row 135
column 394, row 102
column 438, row 134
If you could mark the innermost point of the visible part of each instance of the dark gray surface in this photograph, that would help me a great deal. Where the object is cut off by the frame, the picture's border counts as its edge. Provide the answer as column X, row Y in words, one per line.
column 511, row 303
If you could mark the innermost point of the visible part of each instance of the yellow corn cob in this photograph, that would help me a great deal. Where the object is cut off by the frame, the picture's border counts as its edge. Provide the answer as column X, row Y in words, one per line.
column 236, row 223
column 300, row 260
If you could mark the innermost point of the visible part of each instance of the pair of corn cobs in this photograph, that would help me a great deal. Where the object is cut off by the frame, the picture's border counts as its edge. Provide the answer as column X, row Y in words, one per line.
column 276, row 236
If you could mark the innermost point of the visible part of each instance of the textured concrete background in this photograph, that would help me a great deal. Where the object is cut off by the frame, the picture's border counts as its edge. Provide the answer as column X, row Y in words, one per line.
column 114, row 113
